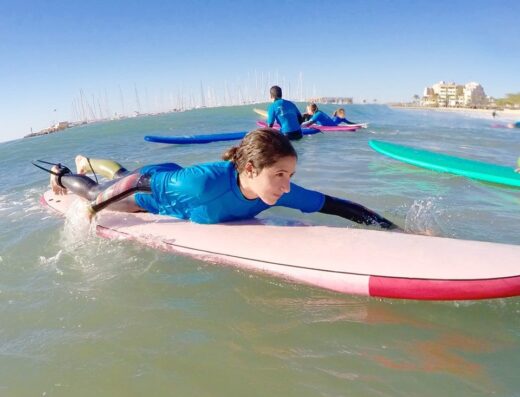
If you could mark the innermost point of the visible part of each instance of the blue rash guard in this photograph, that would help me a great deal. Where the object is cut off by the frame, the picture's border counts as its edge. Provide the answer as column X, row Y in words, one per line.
column 517, row 124
column 209, row 193
column 321, row 118
column 286, row 114
column 338, row 120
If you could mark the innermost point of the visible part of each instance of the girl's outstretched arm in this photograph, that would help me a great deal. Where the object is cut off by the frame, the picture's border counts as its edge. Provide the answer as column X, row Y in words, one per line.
column 355, row 212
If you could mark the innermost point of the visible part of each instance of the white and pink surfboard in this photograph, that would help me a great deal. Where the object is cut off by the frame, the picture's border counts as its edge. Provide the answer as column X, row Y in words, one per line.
column 346, row 260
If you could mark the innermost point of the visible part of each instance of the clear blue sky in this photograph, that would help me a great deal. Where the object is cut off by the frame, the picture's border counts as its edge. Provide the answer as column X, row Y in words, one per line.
column 366, row 49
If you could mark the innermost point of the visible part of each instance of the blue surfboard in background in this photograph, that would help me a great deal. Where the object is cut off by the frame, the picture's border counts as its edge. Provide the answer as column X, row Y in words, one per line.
column 208, row 138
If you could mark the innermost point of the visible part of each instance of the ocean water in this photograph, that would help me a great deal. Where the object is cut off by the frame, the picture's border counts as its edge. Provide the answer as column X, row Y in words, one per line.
column 84, row 316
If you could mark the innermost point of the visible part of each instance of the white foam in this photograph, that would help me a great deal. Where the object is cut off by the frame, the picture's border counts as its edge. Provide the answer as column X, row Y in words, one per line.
column 78, row 224
column 421, row 217
column 52, row 262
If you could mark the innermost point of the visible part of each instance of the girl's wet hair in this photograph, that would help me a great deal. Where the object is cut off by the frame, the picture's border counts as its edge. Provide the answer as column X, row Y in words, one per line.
column 339, row 112
column 313, row 107
column 262, row 148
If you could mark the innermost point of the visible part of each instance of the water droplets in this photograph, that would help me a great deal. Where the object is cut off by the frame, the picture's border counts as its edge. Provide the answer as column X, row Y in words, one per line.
column 79, row 226
column 422, row 217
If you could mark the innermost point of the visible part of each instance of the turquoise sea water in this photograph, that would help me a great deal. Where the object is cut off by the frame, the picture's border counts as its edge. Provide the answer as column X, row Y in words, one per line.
column 84, row 316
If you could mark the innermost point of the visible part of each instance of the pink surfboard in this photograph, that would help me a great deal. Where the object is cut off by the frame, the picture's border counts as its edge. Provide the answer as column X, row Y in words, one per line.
column 346, row 260
column 510, row 125
column 337, row 128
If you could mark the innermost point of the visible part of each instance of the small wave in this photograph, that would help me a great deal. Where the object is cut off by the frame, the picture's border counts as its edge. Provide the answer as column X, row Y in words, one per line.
column 21, row 207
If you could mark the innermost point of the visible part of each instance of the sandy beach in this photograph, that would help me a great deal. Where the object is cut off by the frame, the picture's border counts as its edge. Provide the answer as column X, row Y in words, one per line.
column 504, row 115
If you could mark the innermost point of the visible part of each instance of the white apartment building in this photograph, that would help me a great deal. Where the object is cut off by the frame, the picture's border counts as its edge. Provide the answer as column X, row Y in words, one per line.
column 443, row 94
column 474, row 95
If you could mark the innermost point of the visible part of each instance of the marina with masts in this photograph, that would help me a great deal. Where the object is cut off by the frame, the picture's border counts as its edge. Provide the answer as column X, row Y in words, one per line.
column 138, row 102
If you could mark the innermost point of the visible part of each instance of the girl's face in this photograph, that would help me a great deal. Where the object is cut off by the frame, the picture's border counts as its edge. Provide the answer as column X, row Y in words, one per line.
column 272, row 182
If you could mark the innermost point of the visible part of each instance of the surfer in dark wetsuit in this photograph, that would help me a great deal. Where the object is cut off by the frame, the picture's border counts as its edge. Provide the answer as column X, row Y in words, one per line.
column 306, row 117
column 255, row 176
column 284, row 113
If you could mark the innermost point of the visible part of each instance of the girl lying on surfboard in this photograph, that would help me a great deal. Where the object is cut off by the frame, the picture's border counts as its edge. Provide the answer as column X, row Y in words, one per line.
column 338, row 117
column 317, row 117
column 255, row 176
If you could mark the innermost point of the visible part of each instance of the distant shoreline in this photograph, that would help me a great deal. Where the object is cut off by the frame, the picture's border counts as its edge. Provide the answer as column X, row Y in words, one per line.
column 510, row 114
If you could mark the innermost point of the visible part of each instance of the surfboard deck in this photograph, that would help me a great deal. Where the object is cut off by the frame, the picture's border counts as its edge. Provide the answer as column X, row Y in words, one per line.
column 340, row 127
column 208, row 138
column 346, row 260
column 260, row 112
column 193, row 139
column 501, row 125
column 322, row 128
column 445, row 163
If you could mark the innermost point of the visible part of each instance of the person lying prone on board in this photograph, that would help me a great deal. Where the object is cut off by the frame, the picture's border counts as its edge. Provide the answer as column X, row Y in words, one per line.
column 338, row 117
column 317, row 117
column 255, row 176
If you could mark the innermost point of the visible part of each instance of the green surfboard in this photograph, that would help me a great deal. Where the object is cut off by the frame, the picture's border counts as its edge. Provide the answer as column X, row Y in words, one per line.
column 445, row 163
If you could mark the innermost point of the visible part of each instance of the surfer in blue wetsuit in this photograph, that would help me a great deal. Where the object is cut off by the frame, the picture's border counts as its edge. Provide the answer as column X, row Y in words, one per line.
column 338, row 117
column 284, row 113
column 255, row 176
column 317, row 117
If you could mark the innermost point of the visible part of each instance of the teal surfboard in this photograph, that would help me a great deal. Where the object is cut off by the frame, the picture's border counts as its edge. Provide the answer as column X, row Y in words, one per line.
column 445, row 163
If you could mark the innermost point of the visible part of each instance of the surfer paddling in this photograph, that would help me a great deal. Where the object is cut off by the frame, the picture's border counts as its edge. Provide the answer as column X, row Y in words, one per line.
column 256, row 175
column 317, row 117
column 339, row 116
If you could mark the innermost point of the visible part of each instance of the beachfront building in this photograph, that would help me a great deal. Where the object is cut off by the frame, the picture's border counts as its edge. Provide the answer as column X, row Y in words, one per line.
column 443, row 94
column 474, row 95
column 429, row 98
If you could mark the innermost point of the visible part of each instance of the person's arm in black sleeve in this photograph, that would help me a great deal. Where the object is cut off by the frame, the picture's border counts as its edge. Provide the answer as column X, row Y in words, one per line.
column 355, row 212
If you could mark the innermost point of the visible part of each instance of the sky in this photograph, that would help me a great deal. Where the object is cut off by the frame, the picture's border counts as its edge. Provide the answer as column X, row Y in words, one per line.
column 116, row 56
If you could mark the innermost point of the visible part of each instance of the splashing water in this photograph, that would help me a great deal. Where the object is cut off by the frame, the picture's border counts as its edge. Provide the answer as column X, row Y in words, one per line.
column 422, row 218
column 78, row 226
